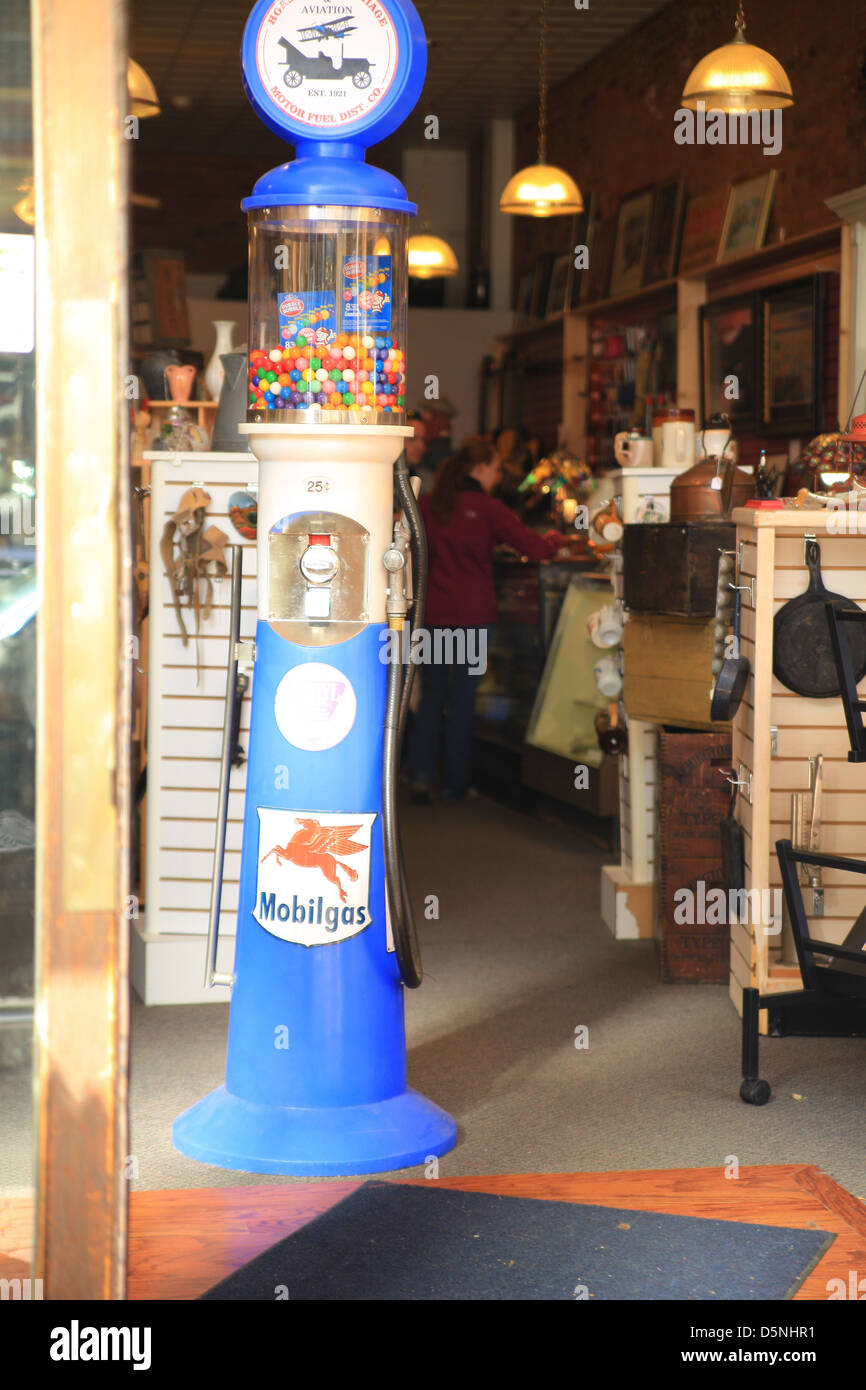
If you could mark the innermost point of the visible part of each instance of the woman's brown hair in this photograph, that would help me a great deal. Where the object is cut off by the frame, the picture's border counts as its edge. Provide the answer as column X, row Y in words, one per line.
column 453, row 472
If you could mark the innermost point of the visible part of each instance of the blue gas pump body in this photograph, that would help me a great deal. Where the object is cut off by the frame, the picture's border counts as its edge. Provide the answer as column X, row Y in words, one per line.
column 316, row 1062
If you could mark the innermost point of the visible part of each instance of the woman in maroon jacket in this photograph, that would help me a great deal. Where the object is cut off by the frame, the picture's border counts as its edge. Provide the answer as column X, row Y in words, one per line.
column 464, row 524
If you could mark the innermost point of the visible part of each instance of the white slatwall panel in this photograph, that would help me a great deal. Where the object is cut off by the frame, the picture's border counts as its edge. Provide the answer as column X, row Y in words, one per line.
column 805, row 727
column 186, row 716
column 632, row 485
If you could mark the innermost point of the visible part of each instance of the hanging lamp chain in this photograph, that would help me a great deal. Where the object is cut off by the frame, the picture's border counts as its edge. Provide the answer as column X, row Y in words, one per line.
column 740, row 21
column 424, row 224
column 542, row 86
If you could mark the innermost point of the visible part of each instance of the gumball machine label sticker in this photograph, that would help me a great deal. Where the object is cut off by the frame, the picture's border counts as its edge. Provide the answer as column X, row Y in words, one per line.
column 315, row 706
column 330, row 71
column 367, row 291
column 306, row 310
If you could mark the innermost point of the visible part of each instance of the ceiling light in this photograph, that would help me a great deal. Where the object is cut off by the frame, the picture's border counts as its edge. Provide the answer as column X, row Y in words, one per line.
column 142, row 93
column 738, row 77
column 430, row 257
column 541, row 189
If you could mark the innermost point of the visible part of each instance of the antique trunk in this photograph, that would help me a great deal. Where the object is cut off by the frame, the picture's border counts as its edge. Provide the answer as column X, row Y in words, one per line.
column 672, row 568
column 668, row 671
column 693, row 797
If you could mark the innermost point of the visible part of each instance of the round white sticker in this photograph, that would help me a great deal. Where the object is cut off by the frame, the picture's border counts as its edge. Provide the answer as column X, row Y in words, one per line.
column 327, row 64
column 315, row 706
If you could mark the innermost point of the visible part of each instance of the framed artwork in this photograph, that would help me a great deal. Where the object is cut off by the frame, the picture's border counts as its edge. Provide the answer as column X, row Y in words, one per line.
column 730, row 364
column 541, row 284
column 581, row 235
column 746, row 217
column 664, row 232
column 702, row 230
column 630, row 246
column 600, row 251
column 792, row 340
column 523, row 307
column 558, row 294
column 161, row 283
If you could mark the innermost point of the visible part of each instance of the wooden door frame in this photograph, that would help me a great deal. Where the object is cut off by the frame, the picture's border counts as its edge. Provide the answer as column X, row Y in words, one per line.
column 84, row 647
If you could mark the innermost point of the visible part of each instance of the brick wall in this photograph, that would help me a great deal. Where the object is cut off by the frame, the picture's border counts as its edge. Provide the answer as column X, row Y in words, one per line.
column 611, row 125
column 200, row 213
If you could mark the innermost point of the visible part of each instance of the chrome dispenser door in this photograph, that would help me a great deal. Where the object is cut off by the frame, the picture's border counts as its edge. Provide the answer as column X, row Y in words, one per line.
column 318, row 578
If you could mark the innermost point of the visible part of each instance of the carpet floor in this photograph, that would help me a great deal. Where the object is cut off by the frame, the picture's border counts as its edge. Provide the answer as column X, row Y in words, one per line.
column 517, row 960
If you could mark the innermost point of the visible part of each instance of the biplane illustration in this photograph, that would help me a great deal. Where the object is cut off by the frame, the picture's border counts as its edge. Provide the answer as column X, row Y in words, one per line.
column 329, row 61
column 315, row 846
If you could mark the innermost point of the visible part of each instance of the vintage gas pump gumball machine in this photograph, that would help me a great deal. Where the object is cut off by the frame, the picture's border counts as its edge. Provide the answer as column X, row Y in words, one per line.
column 316, row 1066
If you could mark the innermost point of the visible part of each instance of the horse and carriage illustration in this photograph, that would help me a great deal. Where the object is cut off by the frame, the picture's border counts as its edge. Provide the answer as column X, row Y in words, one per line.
column 328, row 62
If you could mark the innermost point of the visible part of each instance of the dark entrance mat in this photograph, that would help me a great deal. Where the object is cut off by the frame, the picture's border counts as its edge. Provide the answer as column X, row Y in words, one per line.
column 389, row 1241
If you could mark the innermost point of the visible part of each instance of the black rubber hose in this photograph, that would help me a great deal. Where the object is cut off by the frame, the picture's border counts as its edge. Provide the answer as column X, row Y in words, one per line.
column 399, row 905
column 419, row 577
column 396, row 713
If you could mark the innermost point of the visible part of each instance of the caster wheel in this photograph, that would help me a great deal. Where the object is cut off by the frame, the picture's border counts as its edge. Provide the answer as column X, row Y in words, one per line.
column 755, row 1092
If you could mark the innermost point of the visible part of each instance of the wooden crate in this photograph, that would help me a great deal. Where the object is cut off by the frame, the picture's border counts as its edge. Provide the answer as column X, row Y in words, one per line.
column 693, row 797
column 668, row 676
column 674, row 568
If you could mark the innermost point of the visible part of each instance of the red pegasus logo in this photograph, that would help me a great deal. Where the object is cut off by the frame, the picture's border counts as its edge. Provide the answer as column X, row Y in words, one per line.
column 316, row 846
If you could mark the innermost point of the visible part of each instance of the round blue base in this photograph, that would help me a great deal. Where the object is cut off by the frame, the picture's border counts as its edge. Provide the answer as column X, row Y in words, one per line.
column 400, row 1132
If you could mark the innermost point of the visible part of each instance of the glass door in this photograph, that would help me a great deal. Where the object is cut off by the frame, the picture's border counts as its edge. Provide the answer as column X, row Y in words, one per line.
column 18, row 600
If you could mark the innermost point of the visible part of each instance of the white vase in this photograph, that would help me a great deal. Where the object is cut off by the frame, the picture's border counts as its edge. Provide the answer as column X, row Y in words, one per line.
column 214, row 373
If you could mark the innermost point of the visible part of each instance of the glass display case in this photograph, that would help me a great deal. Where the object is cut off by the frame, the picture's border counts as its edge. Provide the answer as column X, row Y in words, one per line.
column 529, row 598
column 568, row 699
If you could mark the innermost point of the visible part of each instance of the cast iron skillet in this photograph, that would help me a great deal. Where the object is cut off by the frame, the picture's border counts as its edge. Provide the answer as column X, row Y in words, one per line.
column 730, row 686
column 802, row 651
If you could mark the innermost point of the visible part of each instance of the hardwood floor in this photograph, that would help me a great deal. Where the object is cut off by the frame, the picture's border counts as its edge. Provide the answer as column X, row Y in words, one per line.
column 182, row 1242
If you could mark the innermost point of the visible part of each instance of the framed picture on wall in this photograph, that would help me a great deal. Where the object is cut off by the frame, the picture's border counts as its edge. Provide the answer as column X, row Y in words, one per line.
column 581, row 235
column 159, row 287
column 746, row 216
column 702, row 229
column 664, row 232
column 558, row 293
column 730, row 363
column 630, row 247
column 792, row 342
column 600, row 252
column 523, row 307
column 541, row 284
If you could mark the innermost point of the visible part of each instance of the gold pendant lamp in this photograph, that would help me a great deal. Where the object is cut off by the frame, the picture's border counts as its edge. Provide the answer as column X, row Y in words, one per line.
column 541, row 189
column 738, row 77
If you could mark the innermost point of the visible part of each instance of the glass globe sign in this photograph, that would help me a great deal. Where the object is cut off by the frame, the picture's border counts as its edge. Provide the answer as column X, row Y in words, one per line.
column 738, row 77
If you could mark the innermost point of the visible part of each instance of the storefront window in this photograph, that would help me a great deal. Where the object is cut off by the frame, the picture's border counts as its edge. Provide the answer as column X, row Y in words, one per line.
column 18, row 593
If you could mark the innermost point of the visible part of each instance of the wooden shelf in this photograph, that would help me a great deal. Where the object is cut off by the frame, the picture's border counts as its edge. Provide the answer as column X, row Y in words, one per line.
column 533, row 330
column 803, row 519
column 623, row 301
column 791, row 249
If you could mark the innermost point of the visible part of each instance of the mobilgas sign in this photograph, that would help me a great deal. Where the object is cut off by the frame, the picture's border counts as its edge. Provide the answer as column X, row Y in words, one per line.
column 313, row 880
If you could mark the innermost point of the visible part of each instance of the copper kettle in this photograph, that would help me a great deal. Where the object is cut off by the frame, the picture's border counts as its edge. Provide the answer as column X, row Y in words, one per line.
column 710, row 490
